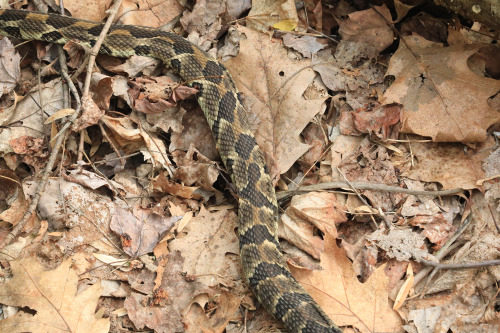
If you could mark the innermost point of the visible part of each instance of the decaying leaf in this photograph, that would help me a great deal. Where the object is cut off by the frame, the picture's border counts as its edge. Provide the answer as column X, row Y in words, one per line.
column 52, row 295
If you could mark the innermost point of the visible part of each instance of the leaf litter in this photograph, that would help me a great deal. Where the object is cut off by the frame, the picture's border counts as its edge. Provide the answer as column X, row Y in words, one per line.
column 141, row 208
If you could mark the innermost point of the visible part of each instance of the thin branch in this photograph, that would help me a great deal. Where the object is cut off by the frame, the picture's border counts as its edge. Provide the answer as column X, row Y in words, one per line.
column 59, row 140
column 464, row 265
column 364, row 186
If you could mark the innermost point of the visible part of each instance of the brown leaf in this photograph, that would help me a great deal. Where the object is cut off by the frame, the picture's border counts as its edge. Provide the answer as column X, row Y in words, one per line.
column 274, row 86
column 12, row 192
column 349, row 68
column 309, row 211
column 378, row 121
column 306, row 45
column 207, row 250
column 153, row 13
column 10, row 72
column 91, row 114
column 141, row 230
column 52, row 296
column 91, row 10
column 436, row 228
column 265, row 14
column 346, row 300
column 195, row 131
column 195, row 169
column 442, row 97
column 369, row 27
column 162, row 184
column 178, row 296
column 373, row 164
column 224, row 306
column 447, row 164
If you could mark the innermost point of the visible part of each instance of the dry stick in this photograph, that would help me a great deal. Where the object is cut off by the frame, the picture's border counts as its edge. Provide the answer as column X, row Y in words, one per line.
column 60, row 136
column 441, row 253
column 111, row 143
column 365, row 186
column 485, row 263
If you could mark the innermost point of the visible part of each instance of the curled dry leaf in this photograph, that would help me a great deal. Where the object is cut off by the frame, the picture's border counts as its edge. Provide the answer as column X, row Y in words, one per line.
column 194, row 168
column 306, row 212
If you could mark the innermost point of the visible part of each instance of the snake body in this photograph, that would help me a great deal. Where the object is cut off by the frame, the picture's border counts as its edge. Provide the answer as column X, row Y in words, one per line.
column 264, row 268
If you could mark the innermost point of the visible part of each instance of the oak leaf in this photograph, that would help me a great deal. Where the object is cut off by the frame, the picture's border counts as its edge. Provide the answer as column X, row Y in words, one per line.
column 346, row 300
column 274, row 87
column 443, row 97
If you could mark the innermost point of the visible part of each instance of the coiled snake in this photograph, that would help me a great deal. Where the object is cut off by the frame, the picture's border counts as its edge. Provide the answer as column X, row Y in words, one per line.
column 263, row 264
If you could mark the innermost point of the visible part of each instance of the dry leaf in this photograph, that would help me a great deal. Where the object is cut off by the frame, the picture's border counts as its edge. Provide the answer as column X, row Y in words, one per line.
column 346, row 300
column 306, row 213
column 178, row 295
column 51, row 295
column 91, row 10
column 447, row 164
column 306, row 45
column 195, row 169
column 153, row 13
column 442, row 96
column 369, row 27
column 274, row 87
column 266, row 13
column 141, row 230
column 10, row 72
column 206, row 250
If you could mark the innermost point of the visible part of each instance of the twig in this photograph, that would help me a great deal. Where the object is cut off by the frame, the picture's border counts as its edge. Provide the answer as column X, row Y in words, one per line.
column 59, row 140
column 364, row 186
column 438, row 265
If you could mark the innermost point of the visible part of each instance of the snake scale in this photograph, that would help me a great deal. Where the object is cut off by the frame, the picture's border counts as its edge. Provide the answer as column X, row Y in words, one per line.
column 264, row 268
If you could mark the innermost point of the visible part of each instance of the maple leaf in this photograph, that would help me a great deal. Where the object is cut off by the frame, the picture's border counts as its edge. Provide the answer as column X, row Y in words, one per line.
column 52, row 295
column 442, row 97
column 346, row 300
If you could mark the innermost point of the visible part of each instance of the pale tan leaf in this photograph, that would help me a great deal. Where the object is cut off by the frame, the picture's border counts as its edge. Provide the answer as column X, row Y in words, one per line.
column 52, row 295
column 405, row 289
column 346, row 300
column 206, row 250
column 153, row 13
column 266, row 13
column 447, row 164
column 273, row 86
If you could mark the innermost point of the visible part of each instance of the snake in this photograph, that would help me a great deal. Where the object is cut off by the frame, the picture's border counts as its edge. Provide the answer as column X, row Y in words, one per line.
column 264, row 267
